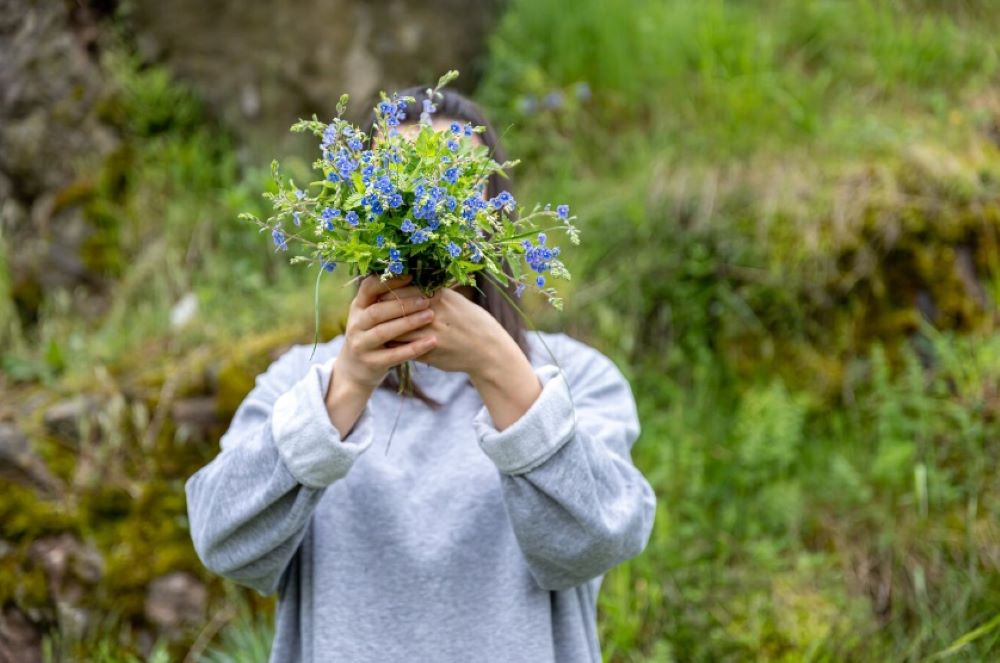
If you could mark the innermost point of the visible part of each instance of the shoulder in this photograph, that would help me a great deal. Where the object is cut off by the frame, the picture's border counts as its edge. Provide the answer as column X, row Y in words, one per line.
column 292, row 364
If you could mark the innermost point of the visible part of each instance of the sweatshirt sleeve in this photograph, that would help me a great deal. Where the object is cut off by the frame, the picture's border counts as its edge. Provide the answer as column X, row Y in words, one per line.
column 577, row 504
column 249, row 507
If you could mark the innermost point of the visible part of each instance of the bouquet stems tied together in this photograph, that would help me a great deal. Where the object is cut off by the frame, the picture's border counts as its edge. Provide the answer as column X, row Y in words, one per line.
column 392, row 204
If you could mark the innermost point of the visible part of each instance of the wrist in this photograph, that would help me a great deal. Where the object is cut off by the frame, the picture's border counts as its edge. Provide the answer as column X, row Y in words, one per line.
column 499, row 358
column 344, row 386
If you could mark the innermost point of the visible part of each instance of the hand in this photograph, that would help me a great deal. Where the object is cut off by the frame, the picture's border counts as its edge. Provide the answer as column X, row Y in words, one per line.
column 380, row 312
column 469, row 339
column 364, row 358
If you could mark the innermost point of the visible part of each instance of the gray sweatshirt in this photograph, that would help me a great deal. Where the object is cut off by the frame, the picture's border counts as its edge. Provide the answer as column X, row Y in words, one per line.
column 462, row 544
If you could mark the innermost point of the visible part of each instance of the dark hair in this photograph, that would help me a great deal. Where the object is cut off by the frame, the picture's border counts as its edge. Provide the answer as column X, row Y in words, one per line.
column 453, row 105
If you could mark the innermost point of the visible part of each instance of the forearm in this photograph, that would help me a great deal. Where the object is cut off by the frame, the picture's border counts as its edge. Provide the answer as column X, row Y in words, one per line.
column 345, row 401
column 506, row 381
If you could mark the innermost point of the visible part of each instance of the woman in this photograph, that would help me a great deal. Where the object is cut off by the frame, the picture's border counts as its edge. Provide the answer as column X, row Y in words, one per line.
column 483, row 536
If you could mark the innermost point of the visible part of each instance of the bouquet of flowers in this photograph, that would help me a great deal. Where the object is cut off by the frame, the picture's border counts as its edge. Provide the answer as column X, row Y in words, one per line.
column 394, row 204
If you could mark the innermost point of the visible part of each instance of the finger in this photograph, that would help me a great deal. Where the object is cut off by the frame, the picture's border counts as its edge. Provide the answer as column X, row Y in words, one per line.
column 410, row 336
column 372, row 286
column 380, row 312
column 399, row 293
column 400, row 353
column 378, row 335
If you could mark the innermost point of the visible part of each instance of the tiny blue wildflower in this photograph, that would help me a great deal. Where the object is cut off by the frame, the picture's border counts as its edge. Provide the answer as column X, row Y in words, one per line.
column 279, row 240
column 541, row 238
column 455, row 128
column 451, row 175
column 467, row 130
column 396, row 267
column 352, row 218
column 419, row 236
column 563, row 211
column 329, row 266
column 379, row 241
column 453, row 146
column 297, row 218
column 540, row 281
column 454, row 249
column 393, row 254
column 354, row 143
column 553, row 99
column 519, row 290
column 407, row 226
column 395, row 200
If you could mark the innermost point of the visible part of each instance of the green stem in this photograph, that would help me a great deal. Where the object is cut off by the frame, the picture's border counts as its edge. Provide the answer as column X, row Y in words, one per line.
column 316, row 307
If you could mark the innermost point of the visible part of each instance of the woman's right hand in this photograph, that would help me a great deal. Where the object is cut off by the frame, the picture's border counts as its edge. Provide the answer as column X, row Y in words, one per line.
column 364, row 359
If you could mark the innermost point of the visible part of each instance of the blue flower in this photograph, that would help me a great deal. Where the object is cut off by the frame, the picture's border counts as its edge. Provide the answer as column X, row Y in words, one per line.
column 379, row 241
column 453, row 146
column 330, row 213
column 454, row 249
column 395, row 200
column 553, row 99
column 300, row 194
column 279, row 240
column 468, row 129
column 377, row 207
column 541, row 238
column 451, row 175
column 352, row 218
column 540, row 281
column 451, row 203
column 329, row 266
column 393, row 254
column 384, row 186
column 419, row 236
column 476, row 255
column 504, row 200
column 329, row 135
column 563, row 211
column 519, row 290
column 329, row 225
column 332, row 176
column 297, row 218
column 407, row 226
column 354, row 143
column 396, row 267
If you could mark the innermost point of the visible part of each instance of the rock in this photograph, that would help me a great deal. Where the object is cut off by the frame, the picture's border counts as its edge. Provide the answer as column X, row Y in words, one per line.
column 20, row 464
column 20, row 639
column 71, row 567
column 176, row 600
column 51, row 91
column 262, row 65
column 63, row 419
column 195, row 414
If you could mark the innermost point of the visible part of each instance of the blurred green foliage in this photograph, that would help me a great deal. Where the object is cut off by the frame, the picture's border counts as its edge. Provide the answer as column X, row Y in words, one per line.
column 791, row 243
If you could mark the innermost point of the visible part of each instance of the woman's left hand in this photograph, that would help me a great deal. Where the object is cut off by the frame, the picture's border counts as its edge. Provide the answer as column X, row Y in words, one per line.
column 471, row 340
